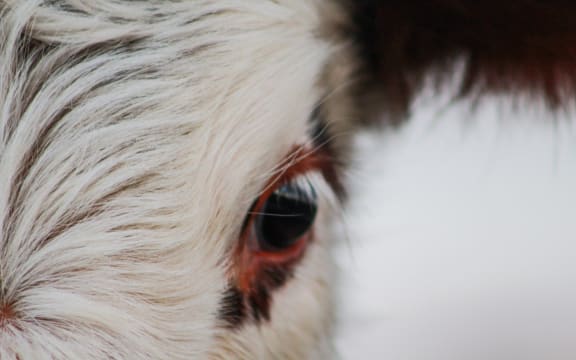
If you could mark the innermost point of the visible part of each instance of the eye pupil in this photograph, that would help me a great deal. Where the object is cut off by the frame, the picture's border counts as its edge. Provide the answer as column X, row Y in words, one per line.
column 286, row 216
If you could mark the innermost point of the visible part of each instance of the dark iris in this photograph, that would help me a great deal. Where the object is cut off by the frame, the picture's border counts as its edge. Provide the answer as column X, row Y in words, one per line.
column 286, row 216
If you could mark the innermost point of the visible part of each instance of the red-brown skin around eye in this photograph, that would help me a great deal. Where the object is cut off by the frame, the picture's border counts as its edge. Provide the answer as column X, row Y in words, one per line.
column 257, row 272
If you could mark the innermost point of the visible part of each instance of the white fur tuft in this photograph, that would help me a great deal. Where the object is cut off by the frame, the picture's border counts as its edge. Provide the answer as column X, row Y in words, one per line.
column 133, row 137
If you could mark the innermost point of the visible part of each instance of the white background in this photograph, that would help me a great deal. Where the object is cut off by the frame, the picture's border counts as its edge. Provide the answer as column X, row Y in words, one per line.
column 462, row 237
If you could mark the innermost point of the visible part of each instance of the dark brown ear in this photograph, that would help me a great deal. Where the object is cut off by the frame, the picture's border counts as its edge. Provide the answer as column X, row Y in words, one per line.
column 509, row 46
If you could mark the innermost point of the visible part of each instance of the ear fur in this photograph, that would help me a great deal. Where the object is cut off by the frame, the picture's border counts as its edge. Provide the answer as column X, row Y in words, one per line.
column 513, row 46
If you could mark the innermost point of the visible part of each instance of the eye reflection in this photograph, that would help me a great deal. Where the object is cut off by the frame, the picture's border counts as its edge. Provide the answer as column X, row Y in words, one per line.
column 287, row 215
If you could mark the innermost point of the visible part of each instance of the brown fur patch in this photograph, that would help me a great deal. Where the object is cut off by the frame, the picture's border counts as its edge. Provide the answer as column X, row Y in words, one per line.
column 518, row 46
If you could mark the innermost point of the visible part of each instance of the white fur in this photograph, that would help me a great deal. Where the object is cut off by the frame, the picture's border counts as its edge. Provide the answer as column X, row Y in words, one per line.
column 131, row 148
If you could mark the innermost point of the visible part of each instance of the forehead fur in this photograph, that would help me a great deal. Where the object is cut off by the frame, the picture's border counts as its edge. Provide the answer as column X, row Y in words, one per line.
column 133, row 137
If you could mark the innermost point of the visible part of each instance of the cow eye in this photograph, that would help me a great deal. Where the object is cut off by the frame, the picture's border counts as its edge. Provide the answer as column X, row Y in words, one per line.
column 286, row 215
column 279, row 228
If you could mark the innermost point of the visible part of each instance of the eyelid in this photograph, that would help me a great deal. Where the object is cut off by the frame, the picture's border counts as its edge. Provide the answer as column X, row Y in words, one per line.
column 300, row 160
